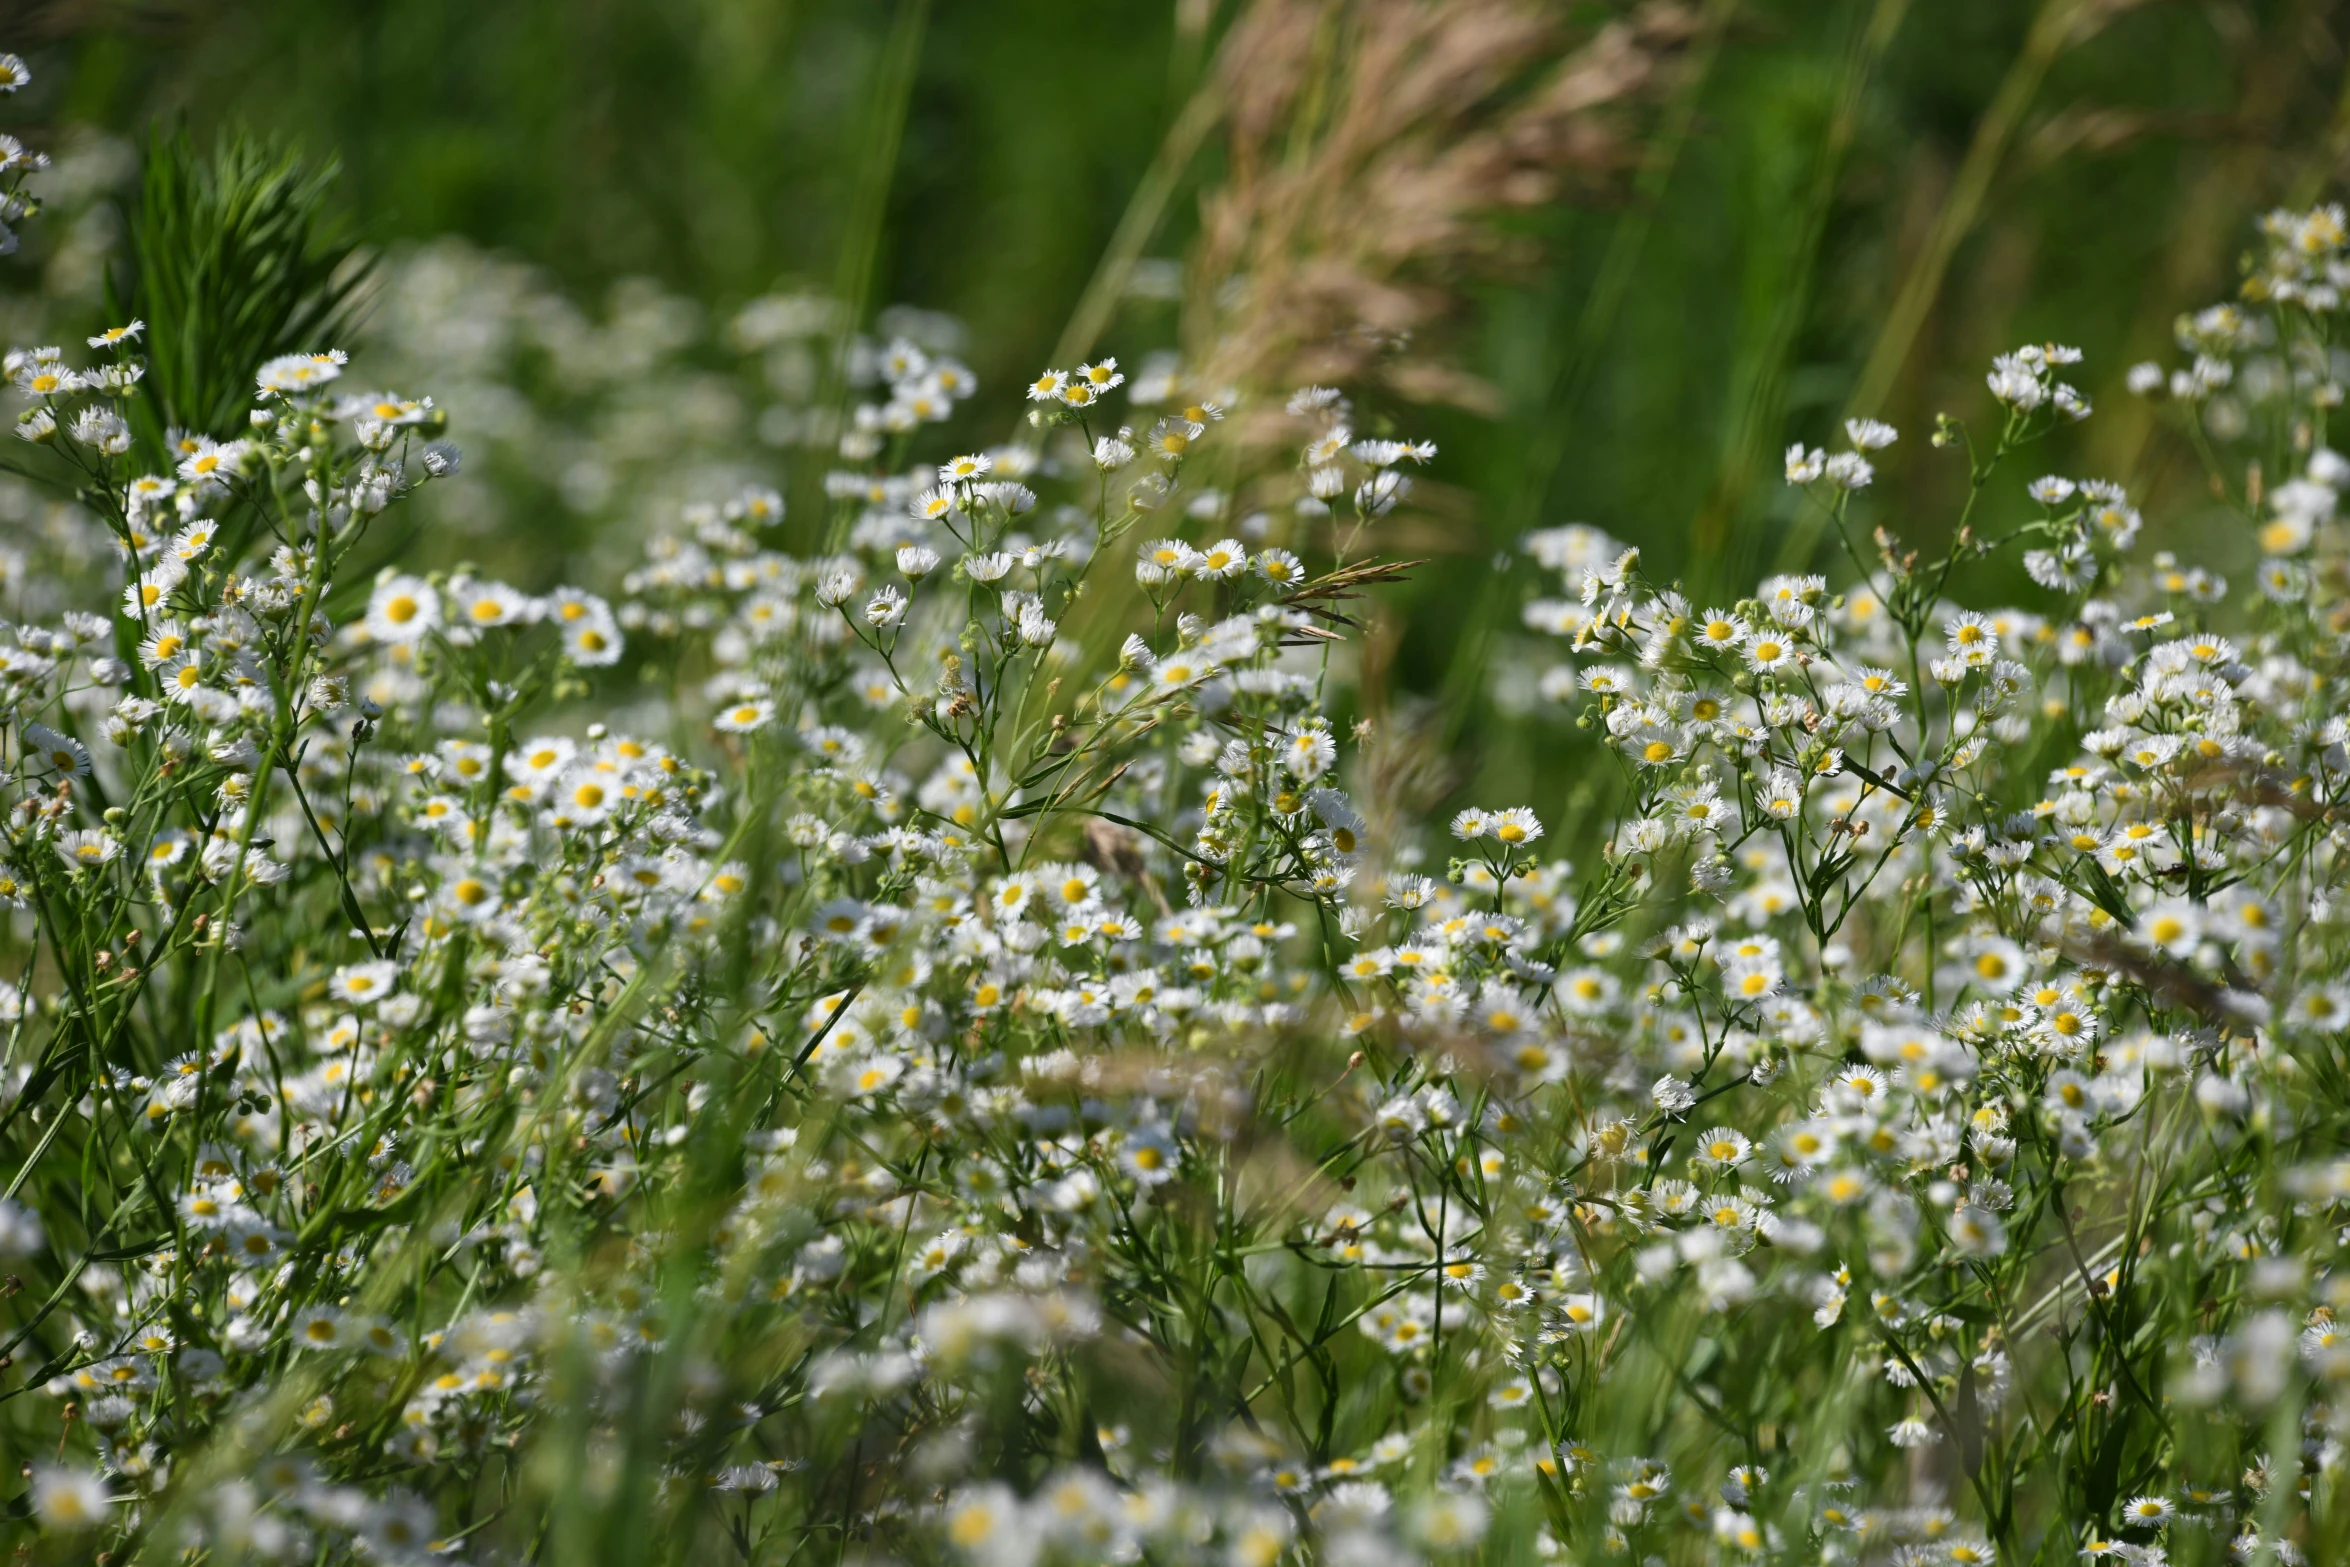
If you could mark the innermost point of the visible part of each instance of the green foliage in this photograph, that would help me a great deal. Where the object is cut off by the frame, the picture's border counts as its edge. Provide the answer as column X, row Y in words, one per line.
column 234, row 257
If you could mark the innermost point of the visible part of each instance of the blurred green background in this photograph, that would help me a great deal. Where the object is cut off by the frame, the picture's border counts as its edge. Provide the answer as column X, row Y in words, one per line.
column 1824, row 206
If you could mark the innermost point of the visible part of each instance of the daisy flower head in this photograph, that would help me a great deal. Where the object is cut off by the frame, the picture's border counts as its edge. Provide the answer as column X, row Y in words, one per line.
column 1170, row 439
column 1912, row 1432
column 2115, row 521
column 1978, row 1232
column 363, row 984
column 1148, row 1155
column 402, row 609
column 1781, row 795
column 1338, row 817
column 2173, row 926
column 148, row 491
column 69, row 1501
column 886, row 610
column 193, row 540
column 1332, row 445
column 1582, row 1313
column 1752, row 979
column 1722, row 1150
column 1182, row 671
column 584, row 797
column 480, row 604
column 471, row 897
column 88, row 848
column 320, row 1328
column 1588, row 992
column 1170, row 558
column 291, row 374
column 1653, row 741
column 536, row 762
column 1280, row 567
column 1717, row 629
column 61, row 755
column 743, row 717
column 1968, row 632
column 2322, row 1009
column 1516, row 827
column 214, row 463
column 1308, row 753
column 186, row 679
column 388, row 408
column 1770, row 650
column 1223, row 559
column 874, row 1075
column 902, row 360
column 1849, row 471
column 146, row 595
column 168, row 848
column 988, row 1523
column 1386, row 454
column 47, row 378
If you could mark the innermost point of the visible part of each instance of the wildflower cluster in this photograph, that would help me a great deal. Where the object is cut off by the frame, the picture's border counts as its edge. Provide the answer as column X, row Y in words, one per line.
column 1999, row 1032
column 913, row 1045
column 17, row 163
